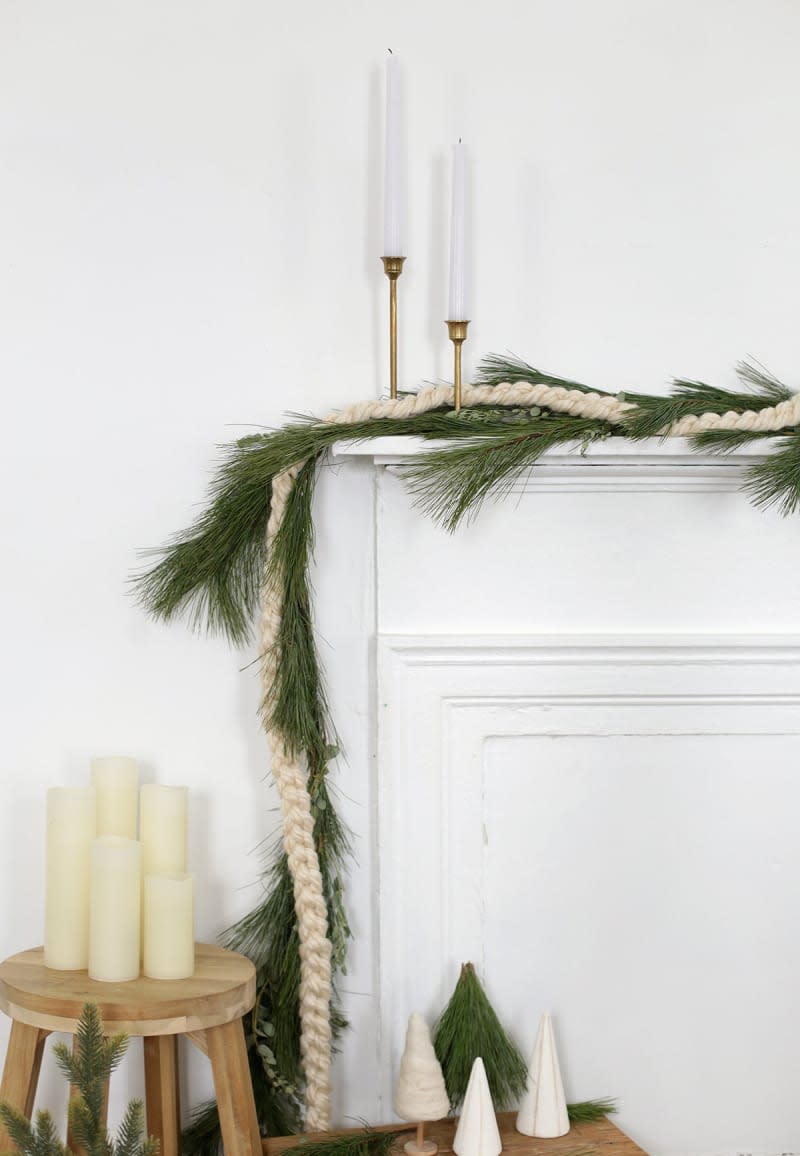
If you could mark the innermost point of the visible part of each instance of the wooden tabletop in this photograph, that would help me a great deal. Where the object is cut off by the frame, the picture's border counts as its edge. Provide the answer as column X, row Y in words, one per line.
column 222, row 989
column 602, row 1137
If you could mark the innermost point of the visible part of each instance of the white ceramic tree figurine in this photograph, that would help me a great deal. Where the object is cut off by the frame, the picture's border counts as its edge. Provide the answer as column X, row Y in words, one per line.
column 477, row 1133
column 420, row 1094
column 543, row 1111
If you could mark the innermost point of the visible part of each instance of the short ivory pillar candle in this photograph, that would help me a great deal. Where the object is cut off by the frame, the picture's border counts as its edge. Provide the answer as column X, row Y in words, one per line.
column 115, row 909
column 169, row 926
column 116, row 781
column 163, row 828
column 71, row 818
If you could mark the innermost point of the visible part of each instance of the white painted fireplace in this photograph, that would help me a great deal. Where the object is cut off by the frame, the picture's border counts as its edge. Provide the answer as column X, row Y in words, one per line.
column 572, row 734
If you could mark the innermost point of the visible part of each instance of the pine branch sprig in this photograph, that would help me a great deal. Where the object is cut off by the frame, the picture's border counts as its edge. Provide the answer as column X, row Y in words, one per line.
column 39, row 1138
column 775, row 481
column 369, row 1142
column 453, row 483
column 468, row 1028
column 131, row 1129
column 654, row 415
column 587, row 1111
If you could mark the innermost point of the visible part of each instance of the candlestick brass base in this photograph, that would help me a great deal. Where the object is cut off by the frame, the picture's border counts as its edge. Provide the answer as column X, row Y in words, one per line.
column 457, row 331
column 393, row 267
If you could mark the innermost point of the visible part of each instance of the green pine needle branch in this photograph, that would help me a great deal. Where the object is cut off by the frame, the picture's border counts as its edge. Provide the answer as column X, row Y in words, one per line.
column 587, row 1111
column 468, row 1028
column 368, row 1142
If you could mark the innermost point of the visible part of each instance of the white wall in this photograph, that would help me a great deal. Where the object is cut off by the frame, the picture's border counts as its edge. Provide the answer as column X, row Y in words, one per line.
column 189, row 234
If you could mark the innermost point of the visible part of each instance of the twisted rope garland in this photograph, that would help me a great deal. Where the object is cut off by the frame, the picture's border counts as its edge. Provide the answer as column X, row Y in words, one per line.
column 298, row 824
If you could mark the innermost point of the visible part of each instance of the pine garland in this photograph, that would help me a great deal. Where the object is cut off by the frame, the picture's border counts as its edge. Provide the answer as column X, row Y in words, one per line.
column 212, row 573
column 88, row 1069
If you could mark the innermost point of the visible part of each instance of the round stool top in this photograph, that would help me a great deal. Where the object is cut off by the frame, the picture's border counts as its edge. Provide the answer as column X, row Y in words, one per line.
column 222, row 989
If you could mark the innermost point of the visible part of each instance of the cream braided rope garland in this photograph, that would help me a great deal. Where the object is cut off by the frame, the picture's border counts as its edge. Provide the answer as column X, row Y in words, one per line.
column 298, row 824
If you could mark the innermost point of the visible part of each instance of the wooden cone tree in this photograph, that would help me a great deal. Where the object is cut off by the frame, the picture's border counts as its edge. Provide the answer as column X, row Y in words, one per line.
column 477, row 1133
column 420, row 1094
column 543, row 1111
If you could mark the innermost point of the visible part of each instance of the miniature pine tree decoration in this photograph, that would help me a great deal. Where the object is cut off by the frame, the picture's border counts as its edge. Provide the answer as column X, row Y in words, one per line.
column 477, row 1133
column 469, row 1028
column 543, row 1111
column 420, row 1094
column 87, row 1068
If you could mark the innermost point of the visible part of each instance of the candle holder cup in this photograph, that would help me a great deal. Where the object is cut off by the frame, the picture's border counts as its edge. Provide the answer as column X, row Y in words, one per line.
column 393, row 267
column 457, row 332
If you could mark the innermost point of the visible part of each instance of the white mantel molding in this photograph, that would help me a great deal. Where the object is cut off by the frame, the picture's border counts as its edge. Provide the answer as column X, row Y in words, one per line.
column 609, row 465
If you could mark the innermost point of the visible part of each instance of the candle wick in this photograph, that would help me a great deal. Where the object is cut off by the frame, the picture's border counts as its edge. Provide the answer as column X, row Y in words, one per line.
column 390, row 52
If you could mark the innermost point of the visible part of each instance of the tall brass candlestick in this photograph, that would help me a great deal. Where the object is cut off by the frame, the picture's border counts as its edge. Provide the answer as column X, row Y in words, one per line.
column 458, row 335
column 393, row 267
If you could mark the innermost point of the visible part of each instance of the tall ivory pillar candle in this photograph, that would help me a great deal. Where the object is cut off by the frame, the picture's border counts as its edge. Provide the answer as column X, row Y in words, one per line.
column 163, row 828
column 168, row 926
column 116, row 910
column 116, row 781
column 71, row 819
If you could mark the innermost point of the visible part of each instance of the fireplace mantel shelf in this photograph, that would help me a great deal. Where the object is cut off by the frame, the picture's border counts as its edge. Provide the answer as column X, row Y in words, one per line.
column 614, row 464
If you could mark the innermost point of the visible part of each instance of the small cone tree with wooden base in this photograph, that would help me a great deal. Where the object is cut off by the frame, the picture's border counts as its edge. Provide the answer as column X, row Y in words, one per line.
column 469, row 1028
column 420, row 1094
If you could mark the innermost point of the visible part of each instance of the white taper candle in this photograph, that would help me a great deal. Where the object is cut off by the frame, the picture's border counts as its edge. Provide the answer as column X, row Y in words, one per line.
column 168, row 930
column 456, row 306
column 71, row 822
column 116, row 909
column 393, row 175
column 116, row 781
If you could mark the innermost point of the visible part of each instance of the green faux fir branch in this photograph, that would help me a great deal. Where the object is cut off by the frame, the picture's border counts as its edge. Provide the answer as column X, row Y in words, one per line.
column 39, row 1138
column 87, row 1067
column 468, row 1028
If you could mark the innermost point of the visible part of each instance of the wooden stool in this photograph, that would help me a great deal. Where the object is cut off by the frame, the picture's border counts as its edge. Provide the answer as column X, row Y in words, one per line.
column 207, row 1008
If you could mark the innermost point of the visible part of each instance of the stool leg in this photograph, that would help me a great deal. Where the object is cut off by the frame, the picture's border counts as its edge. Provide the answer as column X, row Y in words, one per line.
column 234, row 1088
column 21, row 1071
column 161, row 1092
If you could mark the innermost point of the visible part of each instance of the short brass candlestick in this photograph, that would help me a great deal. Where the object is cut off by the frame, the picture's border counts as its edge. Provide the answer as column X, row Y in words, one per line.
column 458, row 335
column 393, row 267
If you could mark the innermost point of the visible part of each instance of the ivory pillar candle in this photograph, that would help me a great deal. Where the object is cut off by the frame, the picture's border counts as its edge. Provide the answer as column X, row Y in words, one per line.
column 115, row 909
column 71, row 822
column 168, row 928
column 163, row 828
column 116, row 781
